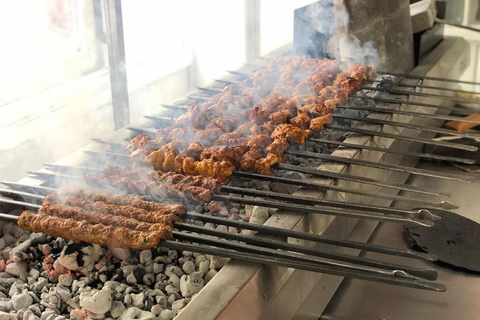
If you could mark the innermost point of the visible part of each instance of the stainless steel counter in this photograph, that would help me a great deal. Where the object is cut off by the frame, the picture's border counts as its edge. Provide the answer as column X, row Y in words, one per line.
column 368, row 300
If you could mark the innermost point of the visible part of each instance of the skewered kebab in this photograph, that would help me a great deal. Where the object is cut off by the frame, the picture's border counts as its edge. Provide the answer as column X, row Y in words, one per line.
column 317, row 260
column 282, row 135
column 200, row 117
column 156, row 184
column 106, row 219
column 78, row 231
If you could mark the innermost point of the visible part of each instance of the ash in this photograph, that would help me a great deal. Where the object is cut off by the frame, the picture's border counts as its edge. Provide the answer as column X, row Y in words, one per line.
column 48, row 278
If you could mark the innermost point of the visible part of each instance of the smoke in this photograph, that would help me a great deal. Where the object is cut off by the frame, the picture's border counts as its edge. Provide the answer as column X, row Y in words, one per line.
column 322, row 30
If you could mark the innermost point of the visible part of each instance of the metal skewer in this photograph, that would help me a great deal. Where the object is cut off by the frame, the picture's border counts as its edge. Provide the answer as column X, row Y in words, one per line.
column 310, row 254
column 312, row 185
column 410, row 126
column 261, row 259
column 310, row 209
column 227, row 81
column 400, row 84
column 255, row 249
column 311, row 237
column 217, row 90
column 457, row 111
column 402, row 137
column 423, row 213
column 420, row 94
column 412, row 76
column 409, row 113
column 384, row 166
column 406, row 153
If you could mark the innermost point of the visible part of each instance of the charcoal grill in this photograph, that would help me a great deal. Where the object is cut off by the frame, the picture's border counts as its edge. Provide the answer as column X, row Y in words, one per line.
column 368, row 169
column 391, row 141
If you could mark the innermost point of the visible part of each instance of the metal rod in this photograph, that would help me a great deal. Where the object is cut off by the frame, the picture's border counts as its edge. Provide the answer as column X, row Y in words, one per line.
column 261, row 259
column 412, row 76
column 8, row 217
column 400, row 84
column 311, row 237
column 420, row 94
column 406, row 153
column 403, row 137
column 383, row 166
column 238, row 73
column 174, row 106
column 9, row 192
column 257, row 249
column 149, row 131
column 218, row 90
column 116, row 155
column 410, row 113
column 425, row 213
column 412, row 103
column 316, row 210
column 56, row 176
column 66, row 168
column 410, row 126
column 14, row 185
column 202, row 98
column 227, row 81
column 307, row 253
column 19, row 203
column 309, row 184
column 366, row 180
